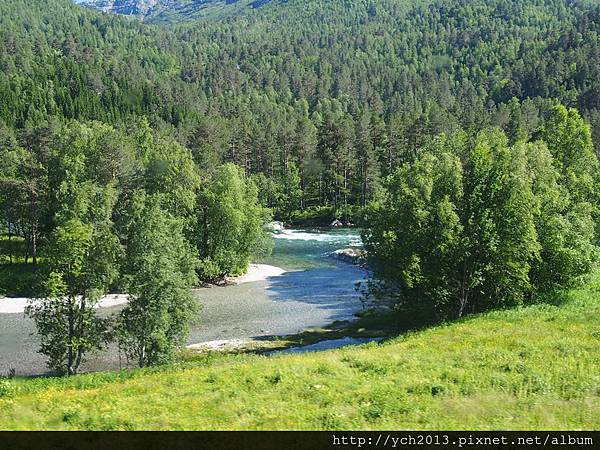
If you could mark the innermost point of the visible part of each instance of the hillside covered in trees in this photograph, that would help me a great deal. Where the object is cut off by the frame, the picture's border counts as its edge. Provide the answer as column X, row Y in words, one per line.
column 330, row 96
column 145, row 158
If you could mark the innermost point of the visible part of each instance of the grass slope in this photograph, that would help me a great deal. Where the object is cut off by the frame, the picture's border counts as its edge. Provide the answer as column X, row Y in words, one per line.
column 536, row 367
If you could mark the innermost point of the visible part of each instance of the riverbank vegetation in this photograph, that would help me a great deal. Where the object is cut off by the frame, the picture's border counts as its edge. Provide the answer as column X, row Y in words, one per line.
column 532, row 367
column 472, row 224
column 107, row 209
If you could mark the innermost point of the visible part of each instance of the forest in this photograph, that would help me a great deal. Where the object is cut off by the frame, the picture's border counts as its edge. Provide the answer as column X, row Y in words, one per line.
column 462, row 136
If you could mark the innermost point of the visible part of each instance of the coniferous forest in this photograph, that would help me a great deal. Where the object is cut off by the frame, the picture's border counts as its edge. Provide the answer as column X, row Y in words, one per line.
column 145, row 157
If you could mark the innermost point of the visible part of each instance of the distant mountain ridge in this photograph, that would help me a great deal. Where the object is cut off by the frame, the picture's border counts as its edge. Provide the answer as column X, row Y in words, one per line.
column 125, row 7
column 172, row 10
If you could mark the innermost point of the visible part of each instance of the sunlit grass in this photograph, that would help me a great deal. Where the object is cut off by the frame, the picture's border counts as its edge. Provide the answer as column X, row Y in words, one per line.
column 533, row 368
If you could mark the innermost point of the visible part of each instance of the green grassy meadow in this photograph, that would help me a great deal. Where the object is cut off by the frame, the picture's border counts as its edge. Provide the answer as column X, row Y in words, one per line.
column 532, row 368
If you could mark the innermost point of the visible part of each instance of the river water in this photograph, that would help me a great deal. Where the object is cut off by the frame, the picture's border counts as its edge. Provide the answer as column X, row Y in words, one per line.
column 315, row 291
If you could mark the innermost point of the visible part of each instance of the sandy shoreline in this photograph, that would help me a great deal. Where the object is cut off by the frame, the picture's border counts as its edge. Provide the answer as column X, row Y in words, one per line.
column 17, row 305
column 256, row 272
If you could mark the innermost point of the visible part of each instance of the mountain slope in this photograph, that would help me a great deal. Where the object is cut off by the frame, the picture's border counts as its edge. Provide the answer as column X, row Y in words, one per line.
column 125, row 7
column 174, row 10
column 301, row 76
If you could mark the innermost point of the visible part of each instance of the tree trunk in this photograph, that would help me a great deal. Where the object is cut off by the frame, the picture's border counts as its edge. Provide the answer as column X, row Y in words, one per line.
column 464, row 299
column 465, row 291
column 34, row 222
column 345, row 194
column 34, row 243
column 321, row 188
column 10, row 253
column 70, row 354
column 142, row 355
column 302, row 188
column 78, row 360
column 364, row 185
column 27, row 247
column 81, row 333
column 205, row 250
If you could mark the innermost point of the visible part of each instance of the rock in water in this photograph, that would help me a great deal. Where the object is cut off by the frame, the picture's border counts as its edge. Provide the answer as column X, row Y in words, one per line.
column 275, row 227
column 350, row 255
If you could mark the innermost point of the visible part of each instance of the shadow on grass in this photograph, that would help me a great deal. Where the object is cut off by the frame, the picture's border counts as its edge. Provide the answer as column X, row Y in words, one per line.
column 20, row 280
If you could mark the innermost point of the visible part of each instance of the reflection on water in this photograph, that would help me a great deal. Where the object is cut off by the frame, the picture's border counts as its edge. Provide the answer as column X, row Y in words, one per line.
column 314, row 292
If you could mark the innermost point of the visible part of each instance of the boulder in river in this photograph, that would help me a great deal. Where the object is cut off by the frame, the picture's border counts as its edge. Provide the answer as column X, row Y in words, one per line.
column 350, row 255
column 336, row 224
column 275, row 227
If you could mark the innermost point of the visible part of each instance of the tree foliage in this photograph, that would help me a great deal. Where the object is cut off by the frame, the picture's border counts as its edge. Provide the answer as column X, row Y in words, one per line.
column 229, row 224
column 442, row 115
column 160, row 272
column 82, row 267
column 117, row 209
column 342, row 93
column 466, row 228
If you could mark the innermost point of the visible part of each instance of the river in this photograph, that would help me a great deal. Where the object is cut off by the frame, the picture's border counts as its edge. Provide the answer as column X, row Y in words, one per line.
column 314, row 291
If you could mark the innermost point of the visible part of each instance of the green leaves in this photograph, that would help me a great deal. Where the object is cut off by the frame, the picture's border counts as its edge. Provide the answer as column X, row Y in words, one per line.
column 417, row 232
column 569, row 140
column 82, row 258
column 501, row 235
column 455, row 236
column 70, row 246
column 160, row 271
column 230, row 223
column 95, row 175
column 82, row 265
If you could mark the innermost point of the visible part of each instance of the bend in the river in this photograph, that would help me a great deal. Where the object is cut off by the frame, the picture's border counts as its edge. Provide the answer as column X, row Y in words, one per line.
column 314, row 291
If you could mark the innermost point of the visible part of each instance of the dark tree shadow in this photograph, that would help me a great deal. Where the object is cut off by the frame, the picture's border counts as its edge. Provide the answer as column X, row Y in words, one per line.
column 331, row 288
